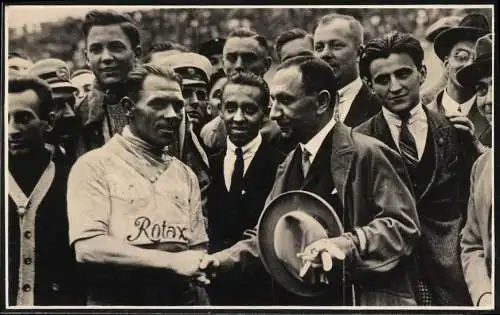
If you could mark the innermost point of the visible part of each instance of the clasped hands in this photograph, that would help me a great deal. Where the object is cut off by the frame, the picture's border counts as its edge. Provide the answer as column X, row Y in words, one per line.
column 195, row 264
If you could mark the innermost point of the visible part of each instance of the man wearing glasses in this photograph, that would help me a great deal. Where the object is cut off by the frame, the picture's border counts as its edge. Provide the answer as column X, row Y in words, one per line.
column 455, row 48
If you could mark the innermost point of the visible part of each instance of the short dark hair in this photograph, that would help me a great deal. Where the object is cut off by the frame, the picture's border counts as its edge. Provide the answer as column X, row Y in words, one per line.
column 18, row 54
column 214, row 79
column 288, row 36
column 19, row 83
column 317, row 75
column 390, row 43
column 246, row 32
column 164, row 46
column 111, row 17
column 135, row 79
column 250, row 79
column 354, row 25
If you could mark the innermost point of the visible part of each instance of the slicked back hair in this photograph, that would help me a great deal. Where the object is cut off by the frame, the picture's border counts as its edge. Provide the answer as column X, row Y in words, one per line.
column 317, row 75
column 19, row 83
column 354, row 25
column 390, row 43
column 164, row 46
column 111, row 17
column 290, row 35
column 135, row 79
column 250, row 79
column 246, row 32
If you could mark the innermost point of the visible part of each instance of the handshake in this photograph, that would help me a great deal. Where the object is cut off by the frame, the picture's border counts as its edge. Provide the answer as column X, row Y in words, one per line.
column 195, row 264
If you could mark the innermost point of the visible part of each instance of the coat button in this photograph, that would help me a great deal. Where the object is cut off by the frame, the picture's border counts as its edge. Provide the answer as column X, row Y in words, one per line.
column 55, row 287
column 27, row 261
column 27, row 235
column 26, row 288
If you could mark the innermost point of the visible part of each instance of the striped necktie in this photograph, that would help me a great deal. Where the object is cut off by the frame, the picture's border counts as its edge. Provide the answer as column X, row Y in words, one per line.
column 407, row 144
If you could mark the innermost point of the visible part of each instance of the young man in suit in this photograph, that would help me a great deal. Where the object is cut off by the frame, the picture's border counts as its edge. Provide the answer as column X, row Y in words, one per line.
column 437, row 162
column 242, row 175
column 356, row 175
column 477, row 233
column 337, row 40
column 455, row 48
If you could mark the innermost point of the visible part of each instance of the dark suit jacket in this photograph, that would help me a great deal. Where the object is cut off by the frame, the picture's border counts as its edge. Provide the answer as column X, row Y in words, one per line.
column 379, row 207
column 481, row 125
column 364, row 106
column 476, row 234
column 228, row 218
column 441, row 206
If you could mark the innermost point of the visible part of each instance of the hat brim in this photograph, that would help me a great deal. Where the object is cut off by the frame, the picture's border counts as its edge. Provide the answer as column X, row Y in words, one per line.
column 193, row 82
column 445, row 40
column 287, row 202
column 469, row 75
column 63, row 85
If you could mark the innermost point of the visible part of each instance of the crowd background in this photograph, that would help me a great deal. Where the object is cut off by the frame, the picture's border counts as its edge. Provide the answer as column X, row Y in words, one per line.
column 190, row 27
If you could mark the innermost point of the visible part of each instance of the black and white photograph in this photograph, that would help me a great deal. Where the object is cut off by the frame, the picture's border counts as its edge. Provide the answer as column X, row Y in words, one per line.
column 242, row 157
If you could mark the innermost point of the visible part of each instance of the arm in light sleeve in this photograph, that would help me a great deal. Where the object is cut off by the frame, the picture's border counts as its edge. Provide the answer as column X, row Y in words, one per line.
column 394, row 228
column 472, row 250
column 197, row 225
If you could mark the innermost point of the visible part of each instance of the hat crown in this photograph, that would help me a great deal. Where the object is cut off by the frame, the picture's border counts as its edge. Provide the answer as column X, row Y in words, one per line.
column 475, row 20
column 484, row 46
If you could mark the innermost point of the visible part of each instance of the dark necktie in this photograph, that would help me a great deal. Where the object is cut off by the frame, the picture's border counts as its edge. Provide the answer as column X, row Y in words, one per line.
column 237, row 177
column 407, row 143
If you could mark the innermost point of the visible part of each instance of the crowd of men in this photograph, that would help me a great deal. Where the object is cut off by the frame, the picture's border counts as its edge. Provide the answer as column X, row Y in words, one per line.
column 141, row 180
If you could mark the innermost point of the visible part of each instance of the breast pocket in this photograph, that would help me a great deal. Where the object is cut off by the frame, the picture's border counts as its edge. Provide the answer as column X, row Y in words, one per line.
column 129, row 197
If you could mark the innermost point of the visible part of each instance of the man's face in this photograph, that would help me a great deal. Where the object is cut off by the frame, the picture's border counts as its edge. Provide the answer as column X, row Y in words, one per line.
column 296, row 47
column 214, row 97
column 26, row 129
column 196, row 100
column 109, row 54
column 157, row 114
column 244, row 54
column 83, row 83
column 293, row 110
column 63, row 117
column 484, row 97
column 334, row 43
column 217, row 62
column 241, row 112
column 19, row 64
column 396, row 81
column 461, row 55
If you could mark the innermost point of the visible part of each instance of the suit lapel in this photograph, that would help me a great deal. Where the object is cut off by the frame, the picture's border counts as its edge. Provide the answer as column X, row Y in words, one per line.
column 341, row 158
column 441, row 137
column 481, row 125
column 382, row 132
column 258, row 160
column 280, row 179
column 358, row 107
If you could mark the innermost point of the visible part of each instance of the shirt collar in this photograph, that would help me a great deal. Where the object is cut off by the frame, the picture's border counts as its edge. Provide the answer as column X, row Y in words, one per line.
column 416, row 113
column 451, row 106
column 249, row 148
column 312, row 146
column 351, row 88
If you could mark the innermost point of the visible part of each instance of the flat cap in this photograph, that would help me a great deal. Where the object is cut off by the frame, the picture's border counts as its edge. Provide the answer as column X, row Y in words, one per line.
column 54, row 72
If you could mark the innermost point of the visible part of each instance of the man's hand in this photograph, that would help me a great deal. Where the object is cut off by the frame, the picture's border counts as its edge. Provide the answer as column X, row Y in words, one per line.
column 186, row 263
column 462, row 123
column 209, row 264
column 327, row 249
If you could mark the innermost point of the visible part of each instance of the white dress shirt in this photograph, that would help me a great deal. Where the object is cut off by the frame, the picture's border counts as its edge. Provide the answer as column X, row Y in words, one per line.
column 417, row 124
column 451, row 106
column 347, row 95
column 248, row 150
column 312, row 146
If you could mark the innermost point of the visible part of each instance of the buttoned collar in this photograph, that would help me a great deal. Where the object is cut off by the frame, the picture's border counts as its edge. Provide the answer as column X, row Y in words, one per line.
column 416, row 113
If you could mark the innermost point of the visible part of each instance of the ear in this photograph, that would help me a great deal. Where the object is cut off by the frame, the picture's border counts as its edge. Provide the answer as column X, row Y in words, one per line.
column 138, row 52
column 446, row 62
column 423, row 74
column 324, row 100
column 129, row 105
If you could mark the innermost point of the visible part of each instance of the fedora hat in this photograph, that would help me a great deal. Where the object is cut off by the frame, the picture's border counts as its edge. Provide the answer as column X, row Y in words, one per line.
column 441, row 25
column 471, row 27
column 287, row 225
column 481, row 66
